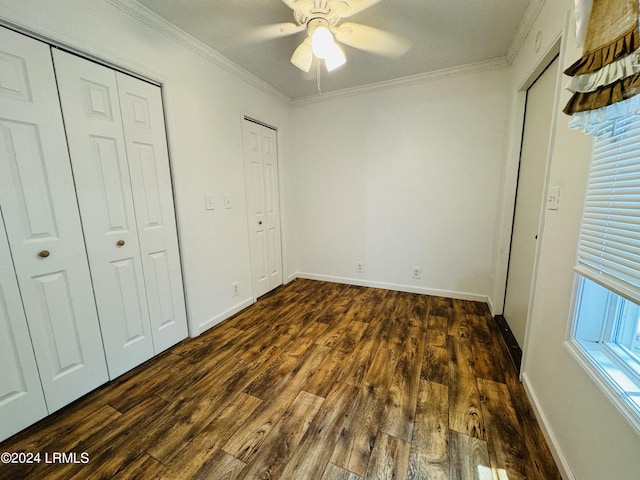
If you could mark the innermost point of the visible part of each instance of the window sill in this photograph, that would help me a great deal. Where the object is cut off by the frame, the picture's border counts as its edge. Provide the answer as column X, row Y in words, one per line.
column 618, row 385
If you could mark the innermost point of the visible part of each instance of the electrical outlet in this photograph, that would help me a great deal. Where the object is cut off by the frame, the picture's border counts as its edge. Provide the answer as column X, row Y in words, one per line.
column 234, row 289
column 417, row 273
column 360, row 267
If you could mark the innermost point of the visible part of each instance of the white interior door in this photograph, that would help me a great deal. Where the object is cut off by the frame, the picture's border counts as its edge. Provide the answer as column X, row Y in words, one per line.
column 529, row 199
column 21, row 397
column 90, row 105
column 263, row 211
column 43, row 224
column 146, row 144
column 272, row 206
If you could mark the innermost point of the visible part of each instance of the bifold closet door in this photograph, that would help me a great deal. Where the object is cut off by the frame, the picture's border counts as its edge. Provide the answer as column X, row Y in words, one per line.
column 21, row 397
column 146, row 145
column 91, row 110
column 43, row 225
column 263, row 207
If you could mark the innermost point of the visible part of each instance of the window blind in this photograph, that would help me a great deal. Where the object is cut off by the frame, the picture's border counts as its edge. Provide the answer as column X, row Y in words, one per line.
column 609, row 247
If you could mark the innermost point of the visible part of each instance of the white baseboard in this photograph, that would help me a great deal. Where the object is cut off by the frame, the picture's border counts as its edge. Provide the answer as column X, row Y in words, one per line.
column 397, row 287
column 552, row 441
column 223, row 316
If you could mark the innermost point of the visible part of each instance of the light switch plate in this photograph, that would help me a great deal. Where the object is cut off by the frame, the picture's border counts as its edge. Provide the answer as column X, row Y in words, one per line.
column 553, row 200
column 227, row 200
column 209, row 202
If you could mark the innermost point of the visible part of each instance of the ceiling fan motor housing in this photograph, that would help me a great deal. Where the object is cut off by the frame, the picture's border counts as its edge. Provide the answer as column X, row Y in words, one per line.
column 320, row 10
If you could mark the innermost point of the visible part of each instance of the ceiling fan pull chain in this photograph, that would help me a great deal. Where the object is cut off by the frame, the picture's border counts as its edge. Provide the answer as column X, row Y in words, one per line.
column 318, row 76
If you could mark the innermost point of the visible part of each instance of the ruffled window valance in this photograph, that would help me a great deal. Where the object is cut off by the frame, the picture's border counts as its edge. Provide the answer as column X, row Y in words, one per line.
column 608, row 71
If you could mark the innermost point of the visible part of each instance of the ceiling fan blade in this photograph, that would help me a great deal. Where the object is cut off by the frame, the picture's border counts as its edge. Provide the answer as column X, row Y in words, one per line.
column 356, row 6
column 303, row 56
column 371, row 39
column 277, row 30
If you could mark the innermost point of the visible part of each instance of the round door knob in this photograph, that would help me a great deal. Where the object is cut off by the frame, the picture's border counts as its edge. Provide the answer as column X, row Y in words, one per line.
column 120, row 243
column 44, row 253
column 260, row 222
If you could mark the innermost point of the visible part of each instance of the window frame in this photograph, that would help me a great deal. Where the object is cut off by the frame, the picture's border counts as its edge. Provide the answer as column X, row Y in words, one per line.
column 605, row 362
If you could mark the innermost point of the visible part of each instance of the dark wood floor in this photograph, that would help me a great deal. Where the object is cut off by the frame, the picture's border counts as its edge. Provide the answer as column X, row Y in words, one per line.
column 315, row 381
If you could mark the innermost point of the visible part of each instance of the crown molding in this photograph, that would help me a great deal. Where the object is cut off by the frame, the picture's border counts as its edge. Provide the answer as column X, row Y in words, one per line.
column 492, row 64
column 529, row 17
column 159, row 24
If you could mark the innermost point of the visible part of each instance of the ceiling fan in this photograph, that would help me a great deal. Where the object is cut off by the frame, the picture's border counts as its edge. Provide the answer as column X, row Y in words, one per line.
column 322, row 21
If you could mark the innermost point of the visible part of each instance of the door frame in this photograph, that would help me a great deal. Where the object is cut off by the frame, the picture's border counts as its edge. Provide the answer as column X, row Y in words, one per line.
column 245, row 116
column 510, row 181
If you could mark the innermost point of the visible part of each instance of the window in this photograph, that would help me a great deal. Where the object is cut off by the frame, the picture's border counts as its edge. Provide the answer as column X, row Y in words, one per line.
column 606, row 329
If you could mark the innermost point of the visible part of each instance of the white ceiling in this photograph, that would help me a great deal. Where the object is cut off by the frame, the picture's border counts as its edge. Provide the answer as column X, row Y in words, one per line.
column 443, row 34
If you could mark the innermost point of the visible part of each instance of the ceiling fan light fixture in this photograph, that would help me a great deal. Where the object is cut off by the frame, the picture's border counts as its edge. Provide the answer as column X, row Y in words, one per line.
column 335, row 58
column 303, row 56
column 322, row 42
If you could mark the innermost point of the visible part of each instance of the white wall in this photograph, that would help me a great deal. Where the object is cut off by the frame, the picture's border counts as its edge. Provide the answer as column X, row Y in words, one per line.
column 590, row 438
column 204, row 106
column 403, row 177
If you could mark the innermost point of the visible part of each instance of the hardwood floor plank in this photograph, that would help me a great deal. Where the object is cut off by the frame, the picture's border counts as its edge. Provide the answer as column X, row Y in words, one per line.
column 437, row 331
column 356, row 441
column 333, row 472
column 276, row 450
column 321, row 382
column 389, row 458
column 248, row 439
column 475, row 308
column 458, row 321
column 396, row 327
column 366, row 307
column 469, row 458
column 185, row 418
column 220, row 466
column 360, row 361
column 441, row 307
column 312, row 455
column 211, row 439
column 486, row 360
column 109, row 447
column 507, row 450
column 144, row 467
column 435, row 364
column 400, row 408
column 465, row 411
column 429, row 458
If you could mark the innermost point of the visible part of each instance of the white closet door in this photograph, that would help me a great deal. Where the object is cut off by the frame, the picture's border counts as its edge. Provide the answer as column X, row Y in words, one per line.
column 90, row 106
column 21, row 397
column 43, row 225
column 257, row 218
column 272, row 205
column 263, row 207
column 146, row 144
column 529, row 200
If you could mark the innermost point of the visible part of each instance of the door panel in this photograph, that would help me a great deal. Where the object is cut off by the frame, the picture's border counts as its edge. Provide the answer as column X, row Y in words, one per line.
column 43, row 224
column 21, row 398
column 148, row 156
column 90, row 105
column 258, row 222
column 531, row 178
column 272, row 205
